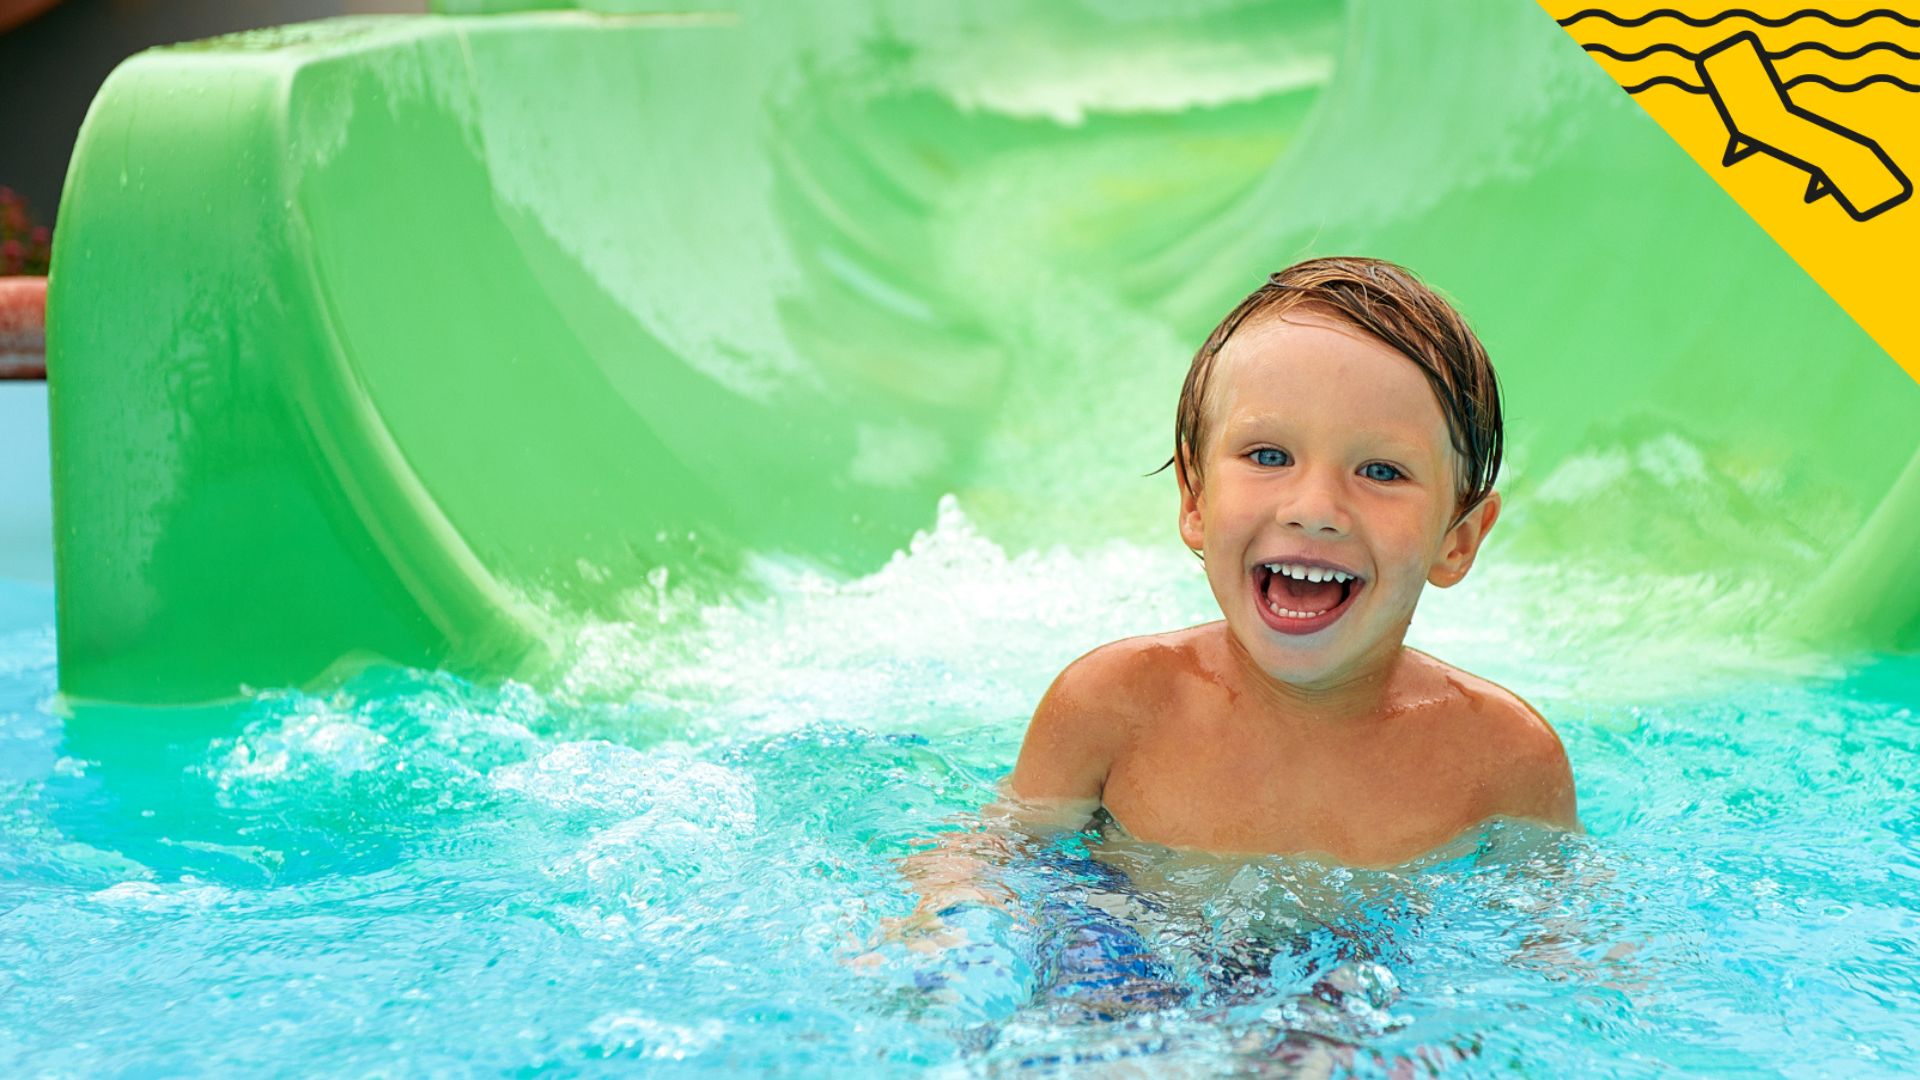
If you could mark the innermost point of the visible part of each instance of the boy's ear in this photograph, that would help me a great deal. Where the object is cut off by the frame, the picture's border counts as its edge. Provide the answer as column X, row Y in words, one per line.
column 1192, row 533
column 1463, row 543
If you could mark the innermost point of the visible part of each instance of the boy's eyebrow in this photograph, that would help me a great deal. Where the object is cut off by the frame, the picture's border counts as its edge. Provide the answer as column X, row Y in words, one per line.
column 1246, row 426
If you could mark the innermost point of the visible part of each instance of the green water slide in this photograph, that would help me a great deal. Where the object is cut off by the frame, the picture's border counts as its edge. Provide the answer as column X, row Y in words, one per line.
column 429, row 339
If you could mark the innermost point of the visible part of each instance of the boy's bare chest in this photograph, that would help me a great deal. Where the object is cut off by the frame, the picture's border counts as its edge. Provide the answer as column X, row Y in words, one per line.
column 1366, row 802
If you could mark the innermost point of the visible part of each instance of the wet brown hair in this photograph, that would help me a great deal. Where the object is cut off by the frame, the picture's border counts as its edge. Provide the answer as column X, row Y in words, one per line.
column 1393, row 304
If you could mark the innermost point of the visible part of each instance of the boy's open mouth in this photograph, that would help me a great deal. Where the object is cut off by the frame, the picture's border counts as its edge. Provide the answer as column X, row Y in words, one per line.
column 1293, row 603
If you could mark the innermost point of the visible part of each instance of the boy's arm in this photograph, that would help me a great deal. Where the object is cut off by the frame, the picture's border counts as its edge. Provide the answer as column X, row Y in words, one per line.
column 1055, row 787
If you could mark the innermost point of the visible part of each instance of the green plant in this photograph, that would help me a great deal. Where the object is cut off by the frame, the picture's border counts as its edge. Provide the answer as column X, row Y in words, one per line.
column 25, row 248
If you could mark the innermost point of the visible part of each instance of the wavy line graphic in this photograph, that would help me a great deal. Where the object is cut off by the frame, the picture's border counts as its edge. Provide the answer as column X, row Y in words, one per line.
column 1666, row 80
column 1737, row 13
column 1681, row 84
column 1830, row 84
column 1804, row 46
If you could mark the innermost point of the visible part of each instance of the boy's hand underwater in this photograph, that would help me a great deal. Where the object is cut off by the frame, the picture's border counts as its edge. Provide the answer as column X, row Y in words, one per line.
column 956, row 870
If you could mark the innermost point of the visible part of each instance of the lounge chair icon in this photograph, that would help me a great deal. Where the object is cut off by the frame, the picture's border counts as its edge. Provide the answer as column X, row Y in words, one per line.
column 1753, row 104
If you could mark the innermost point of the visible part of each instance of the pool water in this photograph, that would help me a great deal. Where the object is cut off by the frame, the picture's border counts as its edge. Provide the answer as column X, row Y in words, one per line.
column 680, row 856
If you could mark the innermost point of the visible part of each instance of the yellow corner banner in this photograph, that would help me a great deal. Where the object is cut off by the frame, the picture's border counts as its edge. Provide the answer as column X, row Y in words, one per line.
column 1809, row 118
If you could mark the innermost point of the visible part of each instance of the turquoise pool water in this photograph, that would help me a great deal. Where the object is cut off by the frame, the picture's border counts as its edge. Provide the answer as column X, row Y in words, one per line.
column 673, row 859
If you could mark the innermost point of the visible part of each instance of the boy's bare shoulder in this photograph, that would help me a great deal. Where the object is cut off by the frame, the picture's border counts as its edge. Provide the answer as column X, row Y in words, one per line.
column 1507, row 716
column 1090, row 712
column 1119, row 676
column 1515, row 748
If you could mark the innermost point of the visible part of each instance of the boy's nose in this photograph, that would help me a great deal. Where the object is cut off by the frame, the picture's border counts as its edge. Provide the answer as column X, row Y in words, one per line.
column 1315, row 505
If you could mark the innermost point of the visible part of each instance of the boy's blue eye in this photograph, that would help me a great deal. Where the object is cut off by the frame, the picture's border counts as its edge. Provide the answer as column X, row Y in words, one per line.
column 1390, row 473
column 1269, row 456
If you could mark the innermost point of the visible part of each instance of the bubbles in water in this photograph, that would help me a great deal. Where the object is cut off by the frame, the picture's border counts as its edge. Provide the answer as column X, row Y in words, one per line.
column 152, row 897
column 605, row 777
column 651, row 1038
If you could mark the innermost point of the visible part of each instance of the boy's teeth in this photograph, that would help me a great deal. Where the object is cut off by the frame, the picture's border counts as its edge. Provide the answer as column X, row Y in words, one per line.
column 1278, row 610
column 1309, row 573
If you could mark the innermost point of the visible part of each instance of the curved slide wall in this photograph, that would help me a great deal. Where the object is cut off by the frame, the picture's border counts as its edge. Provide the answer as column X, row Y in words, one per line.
column 427, row 338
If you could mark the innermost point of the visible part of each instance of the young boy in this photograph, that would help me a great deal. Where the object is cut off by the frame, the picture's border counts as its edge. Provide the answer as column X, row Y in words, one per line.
column 1336, row 446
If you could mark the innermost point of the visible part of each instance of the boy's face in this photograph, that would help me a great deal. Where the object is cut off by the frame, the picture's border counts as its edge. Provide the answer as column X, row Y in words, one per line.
column 1326, row 448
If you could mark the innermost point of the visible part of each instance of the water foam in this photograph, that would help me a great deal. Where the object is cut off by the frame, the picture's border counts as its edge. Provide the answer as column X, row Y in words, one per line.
column 952, row 627
column 955, row 629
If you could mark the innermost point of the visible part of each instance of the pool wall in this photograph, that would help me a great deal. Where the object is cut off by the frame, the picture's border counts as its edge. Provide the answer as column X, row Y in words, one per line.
column 429, row 338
